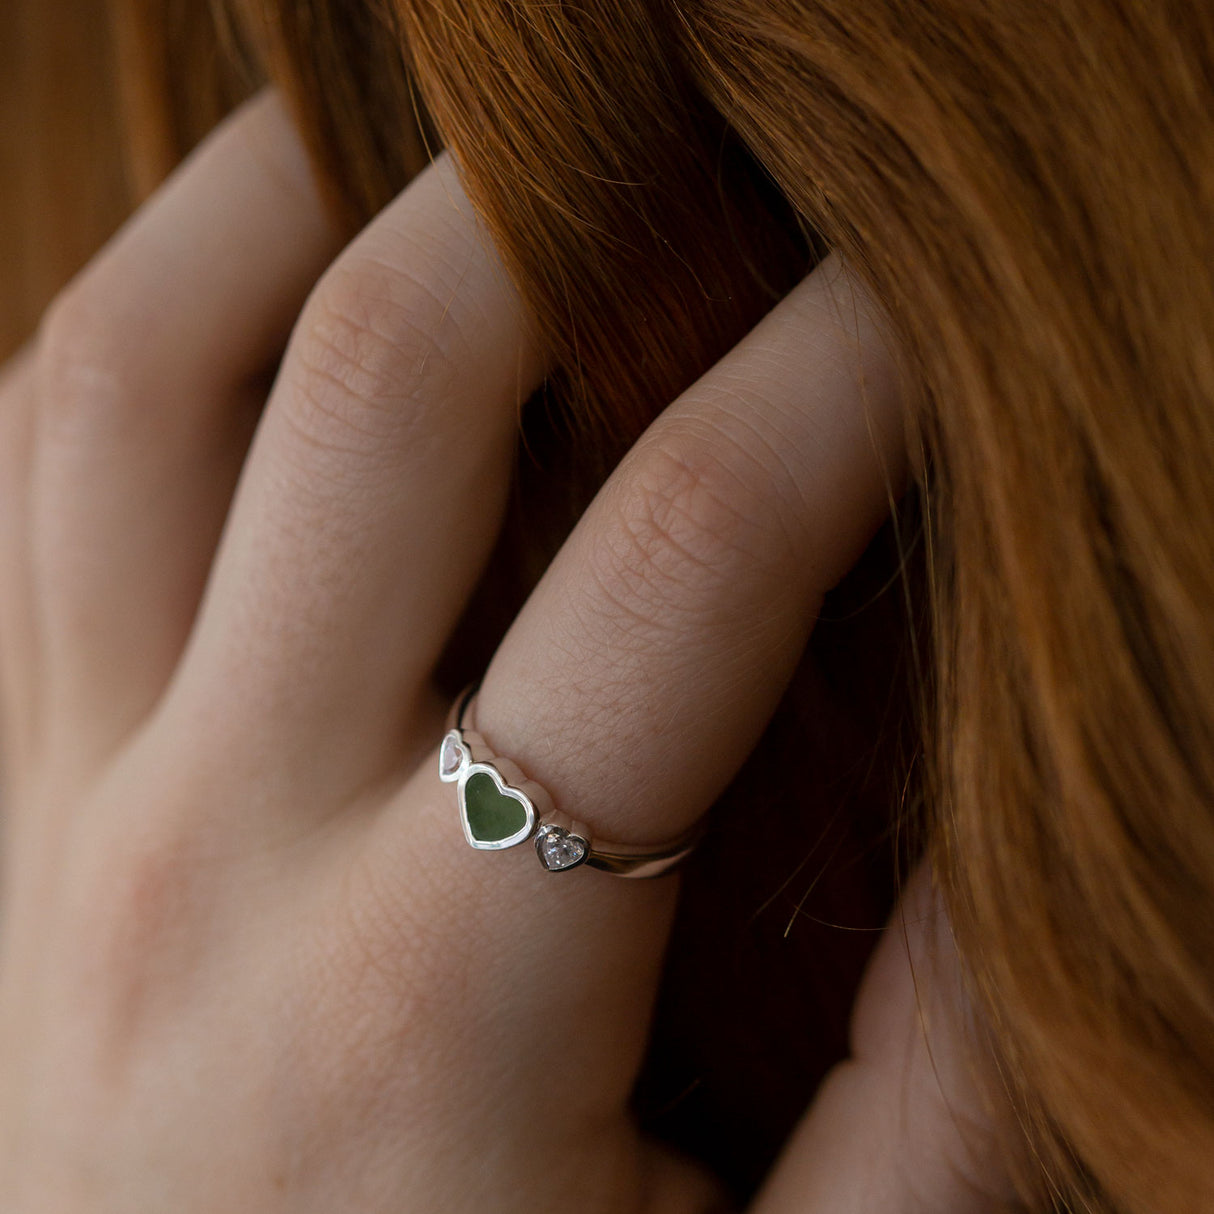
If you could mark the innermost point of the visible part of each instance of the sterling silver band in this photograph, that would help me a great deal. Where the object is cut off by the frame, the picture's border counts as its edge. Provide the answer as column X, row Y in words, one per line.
column 500, row 807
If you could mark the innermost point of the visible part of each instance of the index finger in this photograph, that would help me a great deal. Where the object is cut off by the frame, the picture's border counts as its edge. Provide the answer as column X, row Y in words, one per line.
column 644, row 667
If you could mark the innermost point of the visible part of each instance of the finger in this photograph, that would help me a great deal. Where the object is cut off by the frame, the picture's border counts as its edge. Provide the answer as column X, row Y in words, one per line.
column 148, row 379
column 915, row 1121
column 372, row 494
column 632, row 684
column 642, row 670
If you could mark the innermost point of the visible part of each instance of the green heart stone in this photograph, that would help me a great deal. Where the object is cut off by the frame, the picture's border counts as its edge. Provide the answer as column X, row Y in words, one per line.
column 492, row 815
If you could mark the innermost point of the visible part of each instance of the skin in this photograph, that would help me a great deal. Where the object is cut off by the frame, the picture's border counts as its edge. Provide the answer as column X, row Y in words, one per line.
column 247, row 961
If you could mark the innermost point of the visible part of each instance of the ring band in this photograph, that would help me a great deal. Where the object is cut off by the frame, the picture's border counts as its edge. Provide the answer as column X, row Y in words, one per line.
column 500, row 807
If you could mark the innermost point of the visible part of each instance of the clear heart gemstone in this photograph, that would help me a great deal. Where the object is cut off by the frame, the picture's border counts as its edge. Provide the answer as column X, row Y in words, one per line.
column 450, row 757
column 558, row 849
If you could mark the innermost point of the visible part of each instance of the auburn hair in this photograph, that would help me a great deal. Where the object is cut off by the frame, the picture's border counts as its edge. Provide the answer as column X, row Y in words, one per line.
column 1027, row 187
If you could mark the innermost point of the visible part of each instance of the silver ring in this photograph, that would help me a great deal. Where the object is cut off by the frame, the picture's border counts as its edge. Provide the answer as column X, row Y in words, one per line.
column 499, row 807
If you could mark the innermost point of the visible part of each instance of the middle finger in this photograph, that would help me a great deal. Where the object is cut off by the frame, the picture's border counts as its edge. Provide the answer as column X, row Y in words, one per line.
column 372, row 495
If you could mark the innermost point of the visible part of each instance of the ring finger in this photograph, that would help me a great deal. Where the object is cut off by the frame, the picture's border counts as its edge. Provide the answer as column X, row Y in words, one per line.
column 661, row 639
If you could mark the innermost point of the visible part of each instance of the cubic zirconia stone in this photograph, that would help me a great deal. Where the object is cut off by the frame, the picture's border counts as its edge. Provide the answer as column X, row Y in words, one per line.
column 451, row 756
column 558, row 849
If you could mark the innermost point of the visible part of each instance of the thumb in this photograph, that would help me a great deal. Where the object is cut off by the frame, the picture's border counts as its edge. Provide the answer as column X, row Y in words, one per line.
column 915, row 1120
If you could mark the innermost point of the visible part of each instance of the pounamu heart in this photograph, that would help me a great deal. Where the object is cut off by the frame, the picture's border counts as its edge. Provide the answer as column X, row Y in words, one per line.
column 494, row 815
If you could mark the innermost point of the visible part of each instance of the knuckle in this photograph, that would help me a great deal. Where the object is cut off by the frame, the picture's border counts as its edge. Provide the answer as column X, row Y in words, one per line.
column 372, row 359
column 143, row 933
column 82, row 370
column 680, row 529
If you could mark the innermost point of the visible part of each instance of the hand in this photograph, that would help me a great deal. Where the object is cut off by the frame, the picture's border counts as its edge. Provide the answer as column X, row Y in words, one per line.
column 248, row 962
